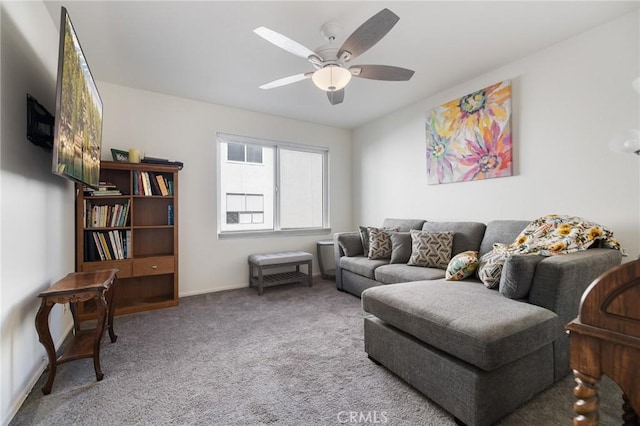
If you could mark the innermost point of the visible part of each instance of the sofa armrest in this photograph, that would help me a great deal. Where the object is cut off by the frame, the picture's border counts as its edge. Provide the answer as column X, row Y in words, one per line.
column 560, row 281
column 352, row 241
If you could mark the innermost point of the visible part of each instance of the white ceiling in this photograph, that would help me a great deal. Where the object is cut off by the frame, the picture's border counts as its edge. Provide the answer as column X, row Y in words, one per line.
column 207, row 51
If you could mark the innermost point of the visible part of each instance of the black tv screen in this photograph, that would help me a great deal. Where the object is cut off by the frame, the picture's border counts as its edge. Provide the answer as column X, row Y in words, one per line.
column 77, row 135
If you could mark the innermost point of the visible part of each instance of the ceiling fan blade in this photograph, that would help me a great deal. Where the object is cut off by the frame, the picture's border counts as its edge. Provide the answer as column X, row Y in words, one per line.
column 381, row 72
column 336, row 97
column 286, row 80
column 284, row 42
column 368, row 34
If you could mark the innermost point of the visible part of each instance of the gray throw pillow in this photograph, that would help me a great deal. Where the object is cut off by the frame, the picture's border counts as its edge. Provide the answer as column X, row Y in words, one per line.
column 350, row 246
column 400, row 247
column 517, row 275
column 364, row 238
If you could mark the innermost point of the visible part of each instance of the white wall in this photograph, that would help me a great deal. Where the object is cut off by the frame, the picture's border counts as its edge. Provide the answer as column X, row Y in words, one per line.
column 569, row 100
column 37, row 207
column 185, row 130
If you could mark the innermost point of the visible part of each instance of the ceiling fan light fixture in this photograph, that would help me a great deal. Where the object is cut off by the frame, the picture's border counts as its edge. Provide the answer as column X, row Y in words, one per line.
column 331, row 78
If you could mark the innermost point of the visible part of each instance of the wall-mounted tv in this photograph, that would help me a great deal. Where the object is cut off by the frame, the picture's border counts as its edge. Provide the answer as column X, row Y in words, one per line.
column 77, row 135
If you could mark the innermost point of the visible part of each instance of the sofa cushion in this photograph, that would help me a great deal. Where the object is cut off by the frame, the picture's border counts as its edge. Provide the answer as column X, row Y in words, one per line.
column 462, row 265
column 403, row 225
column 517, row 275
column 380, row 242
column 400, row 247
column 501, row 231
column 490, row 268
column 430, row 249
column 362, row 265
column 467, row 235
column 465, row 320
column 400, row 273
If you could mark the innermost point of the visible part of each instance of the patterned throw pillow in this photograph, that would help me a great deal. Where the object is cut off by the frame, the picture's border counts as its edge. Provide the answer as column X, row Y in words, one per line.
column 490, row 268
column 431, row 249
column 462, row 265
column 380, row 242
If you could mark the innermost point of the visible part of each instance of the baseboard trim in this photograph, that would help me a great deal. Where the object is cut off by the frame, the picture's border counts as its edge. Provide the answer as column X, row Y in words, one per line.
column 229, row 287
column 213, row 290
column 34, row 379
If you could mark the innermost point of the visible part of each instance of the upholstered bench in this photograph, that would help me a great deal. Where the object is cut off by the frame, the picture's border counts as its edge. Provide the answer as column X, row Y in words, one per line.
column 279, row 260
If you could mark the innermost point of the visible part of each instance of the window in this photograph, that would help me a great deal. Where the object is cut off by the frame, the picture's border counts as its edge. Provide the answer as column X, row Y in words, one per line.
column 244, row 153
column 287, row 193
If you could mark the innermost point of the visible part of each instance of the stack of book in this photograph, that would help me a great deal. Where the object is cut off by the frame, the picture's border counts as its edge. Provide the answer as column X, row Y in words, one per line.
column 104, row 189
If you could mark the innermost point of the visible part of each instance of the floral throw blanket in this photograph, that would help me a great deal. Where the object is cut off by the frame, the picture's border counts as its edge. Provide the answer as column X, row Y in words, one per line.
column 555, row 234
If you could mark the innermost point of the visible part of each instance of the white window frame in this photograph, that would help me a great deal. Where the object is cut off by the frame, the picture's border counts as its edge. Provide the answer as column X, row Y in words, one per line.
column 276, row 145
column 246, row 154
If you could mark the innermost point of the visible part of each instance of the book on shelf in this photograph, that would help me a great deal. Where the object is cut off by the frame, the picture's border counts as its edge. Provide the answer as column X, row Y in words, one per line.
column 162, row 185
column 146, row 183
column 155, row 187
column 170, row 214
column 105, row 193
column 107, row 245
column 128, row 244
column 136, row 189
column 113, row 244
column 101, row 216
column 104, row 188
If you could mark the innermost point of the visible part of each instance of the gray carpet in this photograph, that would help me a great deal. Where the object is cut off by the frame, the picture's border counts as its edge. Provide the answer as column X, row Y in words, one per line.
column 293, row 356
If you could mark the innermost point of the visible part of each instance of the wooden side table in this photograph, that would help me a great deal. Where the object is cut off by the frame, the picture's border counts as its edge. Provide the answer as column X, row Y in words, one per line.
column 605, row 339
column 78, row 287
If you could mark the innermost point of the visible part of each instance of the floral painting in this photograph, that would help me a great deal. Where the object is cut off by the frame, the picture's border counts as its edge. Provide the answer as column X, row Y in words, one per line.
column 470, row 138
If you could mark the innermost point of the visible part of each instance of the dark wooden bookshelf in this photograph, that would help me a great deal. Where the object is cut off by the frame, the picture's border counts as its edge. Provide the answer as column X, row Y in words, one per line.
column 148, row 275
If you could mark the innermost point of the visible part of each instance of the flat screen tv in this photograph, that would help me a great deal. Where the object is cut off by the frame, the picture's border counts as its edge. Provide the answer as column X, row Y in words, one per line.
column 77, row 136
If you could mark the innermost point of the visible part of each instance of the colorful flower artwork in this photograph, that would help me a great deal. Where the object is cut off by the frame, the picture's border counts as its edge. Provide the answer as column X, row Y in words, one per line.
column 470, row 138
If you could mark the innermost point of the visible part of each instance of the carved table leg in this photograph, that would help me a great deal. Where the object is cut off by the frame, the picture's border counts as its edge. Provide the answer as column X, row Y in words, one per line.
column 111, row 309
column 629, row 416
column 74, row 315
column 44, row 335
column 588, row 403
column 101, row 315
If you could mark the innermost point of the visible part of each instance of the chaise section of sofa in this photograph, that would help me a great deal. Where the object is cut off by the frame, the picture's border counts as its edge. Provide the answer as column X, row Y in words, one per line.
column 477, row 354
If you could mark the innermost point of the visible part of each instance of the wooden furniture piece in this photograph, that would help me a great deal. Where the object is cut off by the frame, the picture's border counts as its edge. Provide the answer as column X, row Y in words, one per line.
column 99, row 286
column 326, row 274
column 146, row 234
column 279, row 260
column 605, row 339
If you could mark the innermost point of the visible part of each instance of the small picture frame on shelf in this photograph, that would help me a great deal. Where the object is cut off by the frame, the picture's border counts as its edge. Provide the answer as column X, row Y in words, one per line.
column 121, row 156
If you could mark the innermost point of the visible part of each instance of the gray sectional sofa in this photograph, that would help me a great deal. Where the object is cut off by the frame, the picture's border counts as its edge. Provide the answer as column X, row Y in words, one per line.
column 475, row 352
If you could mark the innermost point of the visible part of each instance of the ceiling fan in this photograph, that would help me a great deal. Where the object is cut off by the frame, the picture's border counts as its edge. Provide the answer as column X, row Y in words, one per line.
column 332, row 71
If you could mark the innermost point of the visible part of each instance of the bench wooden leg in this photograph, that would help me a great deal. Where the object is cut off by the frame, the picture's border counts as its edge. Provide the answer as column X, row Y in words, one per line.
column 310, row 271
column 260, row 281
